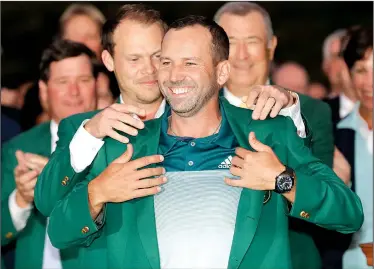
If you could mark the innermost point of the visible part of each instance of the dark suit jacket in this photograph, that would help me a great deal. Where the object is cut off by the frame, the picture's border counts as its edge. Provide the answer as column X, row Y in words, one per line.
column 334, row 104
column 9, row 128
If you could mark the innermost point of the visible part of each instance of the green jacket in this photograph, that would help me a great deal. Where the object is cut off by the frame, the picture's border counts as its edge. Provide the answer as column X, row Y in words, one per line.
column 128, row 238
column 58, row 177
column 318, row 116
column 30, row 241
column 50, row 187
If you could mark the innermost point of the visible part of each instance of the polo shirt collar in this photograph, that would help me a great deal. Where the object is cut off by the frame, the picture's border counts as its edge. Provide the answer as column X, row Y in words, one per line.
column 224, row 138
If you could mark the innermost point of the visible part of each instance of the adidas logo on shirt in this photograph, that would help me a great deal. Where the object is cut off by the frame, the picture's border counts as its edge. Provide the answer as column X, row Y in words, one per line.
column 226, row 163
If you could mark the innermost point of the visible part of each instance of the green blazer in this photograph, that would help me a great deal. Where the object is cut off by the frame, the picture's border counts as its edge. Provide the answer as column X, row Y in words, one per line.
column 58, row 177
column 128, row 237
column 30, row 241
column 317, row 114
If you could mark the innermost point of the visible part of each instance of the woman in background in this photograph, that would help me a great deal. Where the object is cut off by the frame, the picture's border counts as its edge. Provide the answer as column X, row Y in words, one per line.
column 354, row 139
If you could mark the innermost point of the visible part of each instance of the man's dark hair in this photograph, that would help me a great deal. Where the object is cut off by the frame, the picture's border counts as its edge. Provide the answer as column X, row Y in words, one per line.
column 360, row 40
column 62, row 49
column 220, row 40
column 135, row 12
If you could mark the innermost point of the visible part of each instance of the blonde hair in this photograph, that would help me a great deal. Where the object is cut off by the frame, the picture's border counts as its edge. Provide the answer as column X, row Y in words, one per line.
column 82, row 9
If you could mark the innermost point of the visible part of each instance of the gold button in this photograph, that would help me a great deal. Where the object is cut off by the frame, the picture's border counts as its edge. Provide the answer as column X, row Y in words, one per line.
column 85, row 230
column 304, row 214
column 65, row 181
column 9, row 235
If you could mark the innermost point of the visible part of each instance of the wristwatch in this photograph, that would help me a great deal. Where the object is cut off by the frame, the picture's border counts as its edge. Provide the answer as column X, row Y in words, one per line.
column 285, row 181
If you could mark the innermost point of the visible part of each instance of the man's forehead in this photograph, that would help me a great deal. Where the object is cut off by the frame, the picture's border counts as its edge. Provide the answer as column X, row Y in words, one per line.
column 188, row 36
column 81, row 62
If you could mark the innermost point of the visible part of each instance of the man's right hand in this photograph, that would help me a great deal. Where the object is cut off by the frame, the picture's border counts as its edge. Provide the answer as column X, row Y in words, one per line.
column 116, row 117
column 122, row 181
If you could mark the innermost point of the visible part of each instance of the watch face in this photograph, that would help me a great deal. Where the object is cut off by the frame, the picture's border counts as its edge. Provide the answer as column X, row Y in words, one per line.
column 285, row 183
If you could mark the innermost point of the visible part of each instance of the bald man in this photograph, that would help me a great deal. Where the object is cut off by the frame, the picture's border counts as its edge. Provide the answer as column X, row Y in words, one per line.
column 292, row 75
column 317, row 90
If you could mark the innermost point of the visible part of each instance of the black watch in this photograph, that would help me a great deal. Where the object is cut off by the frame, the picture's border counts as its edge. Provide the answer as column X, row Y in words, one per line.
column 285, row 181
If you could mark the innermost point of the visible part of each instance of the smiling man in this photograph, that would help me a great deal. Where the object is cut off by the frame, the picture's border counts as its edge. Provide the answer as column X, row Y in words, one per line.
column 205, row 216
column 134, row 61
column 67, row 84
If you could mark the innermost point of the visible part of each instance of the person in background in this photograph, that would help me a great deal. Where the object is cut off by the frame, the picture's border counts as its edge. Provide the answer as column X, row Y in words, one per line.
column 14, row 88
column 82, row 22
column 293, row 76
column 252, row 48
column 67, row 84
column 317, row 90
column 9, row 128
column 342, row 96
column 354, row 138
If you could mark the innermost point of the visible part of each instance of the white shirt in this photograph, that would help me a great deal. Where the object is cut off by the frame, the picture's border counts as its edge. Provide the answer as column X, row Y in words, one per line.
column 84, row 147
column 346, row 105
column 51, row 255
column 293, row 111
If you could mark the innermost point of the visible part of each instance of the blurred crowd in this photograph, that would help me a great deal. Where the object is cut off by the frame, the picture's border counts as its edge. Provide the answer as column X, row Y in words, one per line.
column 78, row 75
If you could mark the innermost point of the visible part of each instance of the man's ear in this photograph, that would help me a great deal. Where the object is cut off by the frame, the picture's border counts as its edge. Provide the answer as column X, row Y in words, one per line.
column 272, row 46
column 43, row 94
column 223, row 72
column 107, row 60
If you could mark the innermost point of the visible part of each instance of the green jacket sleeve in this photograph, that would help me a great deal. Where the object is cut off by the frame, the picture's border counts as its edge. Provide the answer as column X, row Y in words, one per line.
column 323, row 138
column 8, row 231
column 8, row 163
column 58, row 177
column 321, row 197
column 72, row 214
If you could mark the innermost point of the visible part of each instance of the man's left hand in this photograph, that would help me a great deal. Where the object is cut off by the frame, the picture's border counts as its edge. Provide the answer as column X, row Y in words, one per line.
column 257, row 170
column 268, row 99
column 35, row 162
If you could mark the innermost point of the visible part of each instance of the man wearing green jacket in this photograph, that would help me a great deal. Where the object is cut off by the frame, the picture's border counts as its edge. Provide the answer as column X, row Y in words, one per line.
column 140, row 95
column 68, row 85
column 252, row 48
column 212, row 195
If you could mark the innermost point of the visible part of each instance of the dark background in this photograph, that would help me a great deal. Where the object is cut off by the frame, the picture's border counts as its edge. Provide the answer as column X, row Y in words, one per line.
column 28, row 27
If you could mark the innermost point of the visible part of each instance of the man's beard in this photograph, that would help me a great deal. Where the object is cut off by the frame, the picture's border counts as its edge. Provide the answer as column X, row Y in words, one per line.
column 192, row 105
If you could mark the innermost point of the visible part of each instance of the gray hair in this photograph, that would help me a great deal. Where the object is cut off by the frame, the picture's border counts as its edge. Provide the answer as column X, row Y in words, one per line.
column 338, row 34
column 244, row 8
column 82, row 9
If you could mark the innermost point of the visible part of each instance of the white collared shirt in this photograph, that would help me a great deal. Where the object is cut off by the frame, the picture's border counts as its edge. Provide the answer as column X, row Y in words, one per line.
column 346, row 105
column 84, row 146
column 51, row 255
column 294, row 111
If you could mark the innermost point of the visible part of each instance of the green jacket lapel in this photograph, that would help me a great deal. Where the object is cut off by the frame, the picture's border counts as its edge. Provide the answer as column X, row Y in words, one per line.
column 145, row 144
column 251, row 201
column 44, row 144
column 148, row 145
